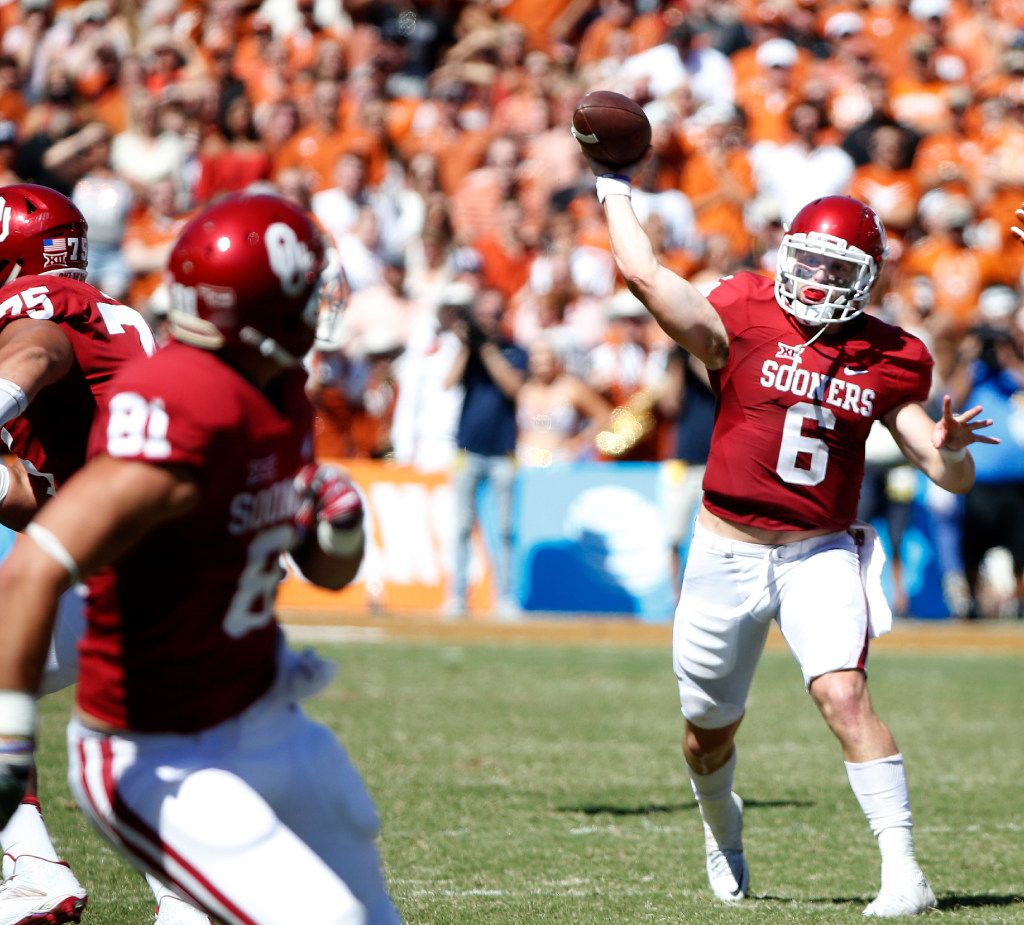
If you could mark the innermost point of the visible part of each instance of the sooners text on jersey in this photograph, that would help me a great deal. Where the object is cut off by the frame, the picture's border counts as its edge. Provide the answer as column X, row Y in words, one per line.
column 53, row 433
column 787, row 452
column 180, row 632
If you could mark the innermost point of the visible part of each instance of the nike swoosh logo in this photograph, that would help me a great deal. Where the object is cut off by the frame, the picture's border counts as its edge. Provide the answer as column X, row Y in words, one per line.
column 855, row 372
column 585, row 139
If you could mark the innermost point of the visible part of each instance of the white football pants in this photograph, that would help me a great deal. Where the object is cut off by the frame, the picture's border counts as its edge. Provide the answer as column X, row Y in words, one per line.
column 260, row 820
column 731, row 593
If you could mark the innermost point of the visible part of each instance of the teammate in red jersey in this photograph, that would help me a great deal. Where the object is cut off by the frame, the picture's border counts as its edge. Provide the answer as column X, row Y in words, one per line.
column 799, row 373
column 188, row 750
column 61, row 341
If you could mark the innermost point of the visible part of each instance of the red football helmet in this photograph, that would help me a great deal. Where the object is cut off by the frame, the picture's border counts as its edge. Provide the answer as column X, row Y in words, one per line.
column 829, row 259
column 248, row 270
column 41, row 232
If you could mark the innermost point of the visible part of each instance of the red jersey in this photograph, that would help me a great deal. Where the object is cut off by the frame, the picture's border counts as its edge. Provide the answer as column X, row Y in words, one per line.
column 180, row 632
column 787, row 450
column 51, row 436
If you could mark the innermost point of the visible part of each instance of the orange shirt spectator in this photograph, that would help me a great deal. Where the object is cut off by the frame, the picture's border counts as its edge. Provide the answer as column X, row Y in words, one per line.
column 615, row 16
column 884, row 183
column 953, row 158
column 318, row 146
column 958, row 271
column 435, row 129
column 505, row 255
column 889, row 28
column 303, row 42
column 919, row 95
column 364, row 134
column 148, row 238
column 751, row 64
column 719, row 181
column 772, row 88
column 539, row 18
column 476, row 202
column 253, row 50
column 12, row 103
column 600, row 39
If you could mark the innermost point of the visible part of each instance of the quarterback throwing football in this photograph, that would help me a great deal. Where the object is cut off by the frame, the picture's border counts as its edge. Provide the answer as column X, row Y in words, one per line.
column 800, row 372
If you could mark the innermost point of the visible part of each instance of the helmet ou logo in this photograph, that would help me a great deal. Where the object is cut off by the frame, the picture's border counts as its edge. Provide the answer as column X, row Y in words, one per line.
column 290, row 258
column 5, row 219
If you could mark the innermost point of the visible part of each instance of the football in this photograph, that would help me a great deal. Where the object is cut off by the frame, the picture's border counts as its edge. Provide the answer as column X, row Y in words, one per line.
column 611, row 128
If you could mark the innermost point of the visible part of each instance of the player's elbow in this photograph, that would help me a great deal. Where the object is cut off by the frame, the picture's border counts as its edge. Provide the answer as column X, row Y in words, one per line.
column 716, row 350
column 40, row 364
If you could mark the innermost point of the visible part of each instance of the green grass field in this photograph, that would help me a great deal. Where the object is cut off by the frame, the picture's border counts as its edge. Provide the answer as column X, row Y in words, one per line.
column 540, row 784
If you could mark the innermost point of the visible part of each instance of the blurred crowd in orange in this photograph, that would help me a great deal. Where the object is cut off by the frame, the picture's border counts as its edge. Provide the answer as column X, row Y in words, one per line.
column 430, row 138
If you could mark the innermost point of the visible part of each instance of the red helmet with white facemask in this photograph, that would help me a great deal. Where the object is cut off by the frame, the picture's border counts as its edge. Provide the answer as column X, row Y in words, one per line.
column 248, row 270
column 829, row 260
column 41, row 232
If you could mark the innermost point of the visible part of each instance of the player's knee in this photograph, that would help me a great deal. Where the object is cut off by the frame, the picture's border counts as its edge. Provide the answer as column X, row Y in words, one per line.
column 842, row 699
column 707, row 749
column 702, row 711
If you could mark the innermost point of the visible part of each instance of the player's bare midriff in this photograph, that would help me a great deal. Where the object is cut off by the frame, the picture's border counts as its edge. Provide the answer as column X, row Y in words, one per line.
column 744, row 533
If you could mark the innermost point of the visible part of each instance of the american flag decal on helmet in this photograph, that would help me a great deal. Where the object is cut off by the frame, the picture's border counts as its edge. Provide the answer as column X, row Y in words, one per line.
column 55, row 251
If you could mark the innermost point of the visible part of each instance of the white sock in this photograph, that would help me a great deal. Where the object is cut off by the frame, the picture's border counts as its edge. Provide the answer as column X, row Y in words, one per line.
column 713, row 793
column 881, row 789
column 26, row 834
column 159, row 890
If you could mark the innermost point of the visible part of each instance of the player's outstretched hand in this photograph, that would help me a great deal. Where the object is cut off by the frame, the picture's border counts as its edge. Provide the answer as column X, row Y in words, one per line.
column 1017, row 230
column 630, row 170
column 955, row 432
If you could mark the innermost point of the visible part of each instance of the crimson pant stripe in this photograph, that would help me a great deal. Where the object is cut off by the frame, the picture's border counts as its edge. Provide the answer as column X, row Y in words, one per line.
column 99, row 816
column 126, row 817
column 862, row 661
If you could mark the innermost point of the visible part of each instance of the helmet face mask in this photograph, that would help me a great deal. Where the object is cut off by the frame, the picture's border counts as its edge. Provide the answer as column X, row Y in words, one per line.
column 327, row 305
column 829, row 260
column 42, row 232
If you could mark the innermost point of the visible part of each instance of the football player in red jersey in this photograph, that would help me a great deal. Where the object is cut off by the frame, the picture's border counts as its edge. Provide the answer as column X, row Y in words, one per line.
column 799, row 372
column 188, row 750
column 61, row 340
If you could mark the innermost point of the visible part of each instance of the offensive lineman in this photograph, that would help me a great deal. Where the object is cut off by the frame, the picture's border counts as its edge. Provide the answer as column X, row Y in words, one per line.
column 799, row 374
column 188, row 750
column 61, row 341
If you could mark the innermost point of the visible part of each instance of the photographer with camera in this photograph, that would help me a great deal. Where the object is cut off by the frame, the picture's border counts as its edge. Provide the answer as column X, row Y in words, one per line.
column 491, row 370
column 991, row 371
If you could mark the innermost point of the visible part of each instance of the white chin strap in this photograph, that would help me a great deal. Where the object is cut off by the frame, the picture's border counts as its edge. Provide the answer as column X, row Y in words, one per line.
column 267, row 347
column 191, row 329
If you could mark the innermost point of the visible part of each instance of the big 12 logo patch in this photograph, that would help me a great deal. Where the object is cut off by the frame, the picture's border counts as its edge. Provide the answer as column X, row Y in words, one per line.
column 62, row 252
